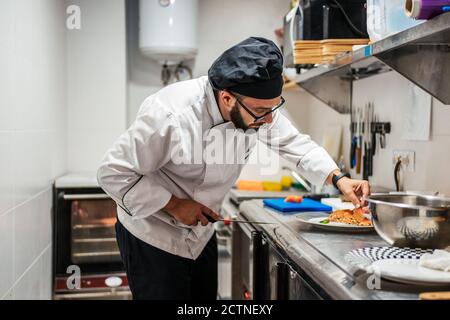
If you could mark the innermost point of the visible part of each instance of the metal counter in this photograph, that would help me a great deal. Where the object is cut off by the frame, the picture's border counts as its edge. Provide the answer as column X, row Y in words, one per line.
column 320, row 254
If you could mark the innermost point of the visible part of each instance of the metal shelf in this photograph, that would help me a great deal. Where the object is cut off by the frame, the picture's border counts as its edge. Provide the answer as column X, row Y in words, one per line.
column 421, row 54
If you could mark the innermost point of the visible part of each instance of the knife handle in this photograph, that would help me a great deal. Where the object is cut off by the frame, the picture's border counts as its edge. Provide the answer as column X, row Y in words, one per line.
column 374, row 143
column 210, row 219
column 358, row 160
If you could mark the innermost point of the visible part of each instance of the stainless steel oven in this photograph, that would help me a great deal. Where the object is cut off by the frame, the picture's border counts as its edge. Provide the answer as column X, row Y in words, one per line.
column 85, row 244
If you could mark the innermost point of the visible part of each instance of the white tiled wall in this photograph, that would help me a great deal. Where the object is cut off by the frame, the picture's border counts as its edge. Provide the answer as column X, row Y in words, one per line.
column 32, row 140
column 57, row 88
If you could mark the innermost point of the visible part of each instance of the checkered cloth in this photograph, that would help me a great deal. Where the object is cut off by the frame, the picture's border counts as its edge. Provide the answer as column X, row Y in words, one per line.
column 365, row 256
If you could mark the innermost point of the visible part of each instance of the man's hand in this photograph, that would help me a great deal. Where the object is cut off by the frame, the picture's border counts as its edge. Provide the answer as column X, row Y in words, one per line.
column 354, row 190
column 189, row 212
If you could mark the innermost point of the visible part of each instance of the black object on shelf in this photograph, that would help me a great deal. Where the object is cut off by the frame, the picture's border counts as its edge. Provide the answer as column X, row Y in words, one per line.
column 333, row 19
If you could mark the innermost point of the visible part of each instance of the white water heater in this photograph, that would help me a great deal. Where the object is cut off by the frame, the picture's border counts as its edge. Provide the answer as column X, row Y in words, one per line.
column 168, row 30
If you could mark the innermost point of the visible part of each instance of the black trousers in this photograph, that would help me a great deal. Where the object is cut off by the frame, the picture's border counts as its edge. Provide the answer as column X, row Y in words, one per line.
column 154, row 274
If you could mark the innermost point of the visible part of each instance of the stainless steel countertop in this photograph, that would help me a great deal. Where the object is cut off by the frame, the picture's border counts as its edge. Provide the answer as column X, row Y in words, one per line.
column 321, row 254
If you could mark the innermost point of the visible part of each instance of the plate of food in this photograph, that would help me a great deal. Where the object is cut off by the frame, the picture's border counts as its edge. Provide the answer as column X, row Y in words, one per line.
column 354, row 221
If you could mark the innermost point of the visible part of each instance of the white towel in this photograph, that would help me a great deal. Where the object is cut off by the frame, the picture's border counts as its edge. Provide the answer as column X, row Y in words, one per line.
column 438, row 260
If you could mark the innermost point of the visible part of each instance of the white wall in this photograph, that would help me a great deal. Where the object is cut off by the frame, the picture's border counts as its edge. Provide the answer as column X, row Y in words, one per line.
column 62, row 104
column 388, row 92
column 143, row 73
column 96, row 73
column 224, row 24
column 32, row 140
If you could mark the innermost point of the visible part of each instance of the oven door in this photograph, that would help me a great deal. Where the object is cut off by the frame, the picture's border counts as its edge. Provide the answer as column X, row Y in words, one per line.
column 85, row 231
column 92, row 227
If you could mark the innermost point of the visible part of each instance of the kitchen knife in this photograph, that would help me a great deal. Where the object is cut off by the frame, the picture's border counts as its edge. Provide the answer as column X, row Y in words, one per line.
column 365, row 162
column 374, row 134
column 228, row 221
column 360, row 141
column 352, row 139
column 358, row 159
column 353, row 157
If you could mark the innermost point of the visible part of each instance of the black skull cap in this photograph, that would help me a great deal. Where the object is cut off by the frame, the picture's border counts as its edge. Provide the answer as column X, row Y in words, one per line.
column 252, row 68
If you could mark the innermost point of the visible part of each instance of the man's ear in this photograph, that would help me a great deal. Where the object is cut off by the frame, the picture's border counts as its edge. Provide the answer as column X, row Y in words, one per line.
column 228, row 100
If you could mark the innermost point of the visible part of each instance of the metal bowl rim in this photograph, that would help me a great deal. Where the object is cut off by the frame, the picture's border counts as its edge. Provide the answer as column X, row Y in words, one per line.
column 408, row 206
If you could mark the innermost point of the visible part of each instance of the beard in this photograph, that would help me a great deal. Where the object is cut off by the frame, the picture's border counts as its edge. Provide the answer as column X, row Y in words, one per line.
column 236, row 118
column 238, row 121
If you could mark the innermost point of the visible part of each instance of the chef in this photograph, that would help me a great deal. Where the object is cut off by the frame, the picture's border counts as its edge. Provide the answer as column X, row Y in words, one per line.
column 166, row 242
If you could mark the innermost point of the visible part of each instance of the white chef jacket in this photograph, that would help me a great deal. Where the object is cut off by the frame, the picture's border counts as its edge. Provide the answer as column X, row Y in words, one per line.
column 138, row 172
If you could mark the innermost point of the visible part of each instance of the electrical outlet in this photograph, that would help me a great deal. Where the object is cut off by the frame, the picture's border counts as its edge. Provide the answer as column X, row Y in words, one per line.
column 407, row 157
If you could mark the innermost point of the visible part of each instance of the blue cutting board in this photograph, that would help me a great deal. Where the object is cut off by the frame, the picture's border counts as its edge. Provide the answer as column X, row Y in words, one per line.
column 304, row 206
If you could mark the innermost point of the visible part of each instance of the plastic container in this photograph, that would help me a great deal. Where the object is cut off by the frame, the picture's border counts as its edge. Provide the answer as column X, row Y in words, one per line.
column 426, row 9
column 271, row 186
column 386, row 17
column 286, row 182
column 249, row 185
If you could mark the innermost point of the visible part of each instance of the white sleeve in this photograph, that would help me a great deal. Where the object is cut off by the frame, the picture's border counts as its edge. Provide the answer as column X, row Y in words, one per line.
column 312, row 161
column 126, row 173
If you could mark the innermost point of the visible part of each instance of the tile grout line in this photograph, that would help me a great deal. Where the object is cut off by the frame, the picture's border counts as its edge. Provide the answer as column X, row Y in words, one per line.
column 13, row 253
column 11, row 211
column 14, row 243
column 26, row 270
column 33, row 197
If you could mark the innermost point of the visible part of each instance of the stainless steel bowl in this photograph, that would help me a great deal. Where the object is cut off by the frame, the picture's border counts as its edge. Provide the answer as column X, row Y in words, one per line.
column 415, row 221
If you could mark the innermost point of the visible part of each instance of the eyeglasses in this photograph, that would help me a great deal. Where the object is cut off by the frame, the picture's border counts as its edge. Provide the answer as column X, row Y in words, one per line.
column 255, row 117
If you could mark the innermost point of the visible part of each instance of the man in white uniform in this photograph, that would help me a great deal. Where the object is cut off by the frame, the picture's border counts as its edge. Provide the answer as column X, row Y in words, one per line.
column 166, row 242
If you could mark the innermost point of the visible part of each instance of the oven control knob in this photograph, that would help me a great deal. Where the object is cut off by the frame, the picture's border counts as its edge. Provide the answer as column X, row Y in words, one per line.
column 113, row 282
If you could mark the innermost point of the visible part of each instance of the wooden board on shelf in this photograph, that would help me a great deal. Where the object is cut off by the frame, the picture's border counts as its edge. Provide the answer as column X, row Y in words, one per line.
column 323, row 51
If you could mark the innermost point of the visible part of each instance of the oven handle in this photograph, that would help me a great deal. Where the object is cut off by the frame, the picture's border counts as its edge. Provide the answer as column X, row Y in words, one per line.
column 282, row 274
column 86, row 196
column 260, row 263
column 95, row 295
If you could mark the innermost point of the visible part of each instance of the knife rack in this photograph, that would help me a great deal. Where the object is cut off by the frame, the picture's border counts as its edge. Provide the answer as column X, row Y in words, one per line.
column 362, row 152
column 380, row 127
column 375, row 127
